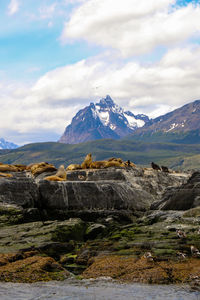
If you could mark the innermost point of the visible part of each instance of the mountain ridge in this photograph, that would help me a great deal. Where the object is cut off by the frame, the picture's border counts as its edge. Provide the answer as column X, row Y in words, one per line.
column 178, row 126
column 102, row 120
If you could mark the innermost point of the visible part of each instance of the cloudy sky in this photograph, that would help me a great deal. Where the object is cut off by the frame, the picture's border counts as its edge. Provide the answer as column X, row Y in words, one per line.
column 57, row 56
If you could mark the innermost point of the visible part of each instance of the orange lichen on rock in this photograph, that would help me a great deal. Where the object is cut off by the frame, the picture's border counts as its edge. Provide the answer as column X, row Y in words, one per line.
column 141, row 270
column 30, row 269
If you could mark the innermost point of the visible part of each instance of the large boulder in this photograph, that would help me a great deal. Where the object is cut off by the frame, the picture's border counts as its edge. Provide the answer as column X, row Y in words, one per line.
column 93, row 195
column 19, row 190
column 185, row 197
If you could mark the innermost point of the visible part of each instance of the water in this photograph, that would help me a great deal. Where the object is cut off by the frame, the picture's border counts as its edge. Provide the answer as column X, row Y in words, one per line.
column 94, row 290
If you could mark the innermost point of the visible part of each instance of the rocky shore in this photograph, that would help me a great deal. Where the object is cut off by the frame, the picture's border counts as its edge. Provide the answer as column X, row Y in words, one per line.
column 131, row 224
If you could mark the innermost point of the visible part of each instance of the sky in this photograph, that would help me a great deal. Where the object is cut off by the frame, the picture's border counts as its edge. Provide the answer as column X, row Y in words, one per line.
column 57, row 56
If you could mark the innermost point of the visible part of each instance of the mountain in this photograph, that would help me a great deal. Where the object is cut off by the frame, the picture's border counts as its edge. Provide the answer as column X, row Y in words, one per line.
column 179, row 126
column 102, row 120
column 7, row 145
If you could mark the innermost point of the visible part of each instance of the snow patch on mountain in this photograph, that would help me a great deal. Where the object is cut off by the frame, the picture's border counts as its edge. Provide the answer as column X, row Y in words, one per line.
column 107, row 106
column 133, row 122
column 7, row 145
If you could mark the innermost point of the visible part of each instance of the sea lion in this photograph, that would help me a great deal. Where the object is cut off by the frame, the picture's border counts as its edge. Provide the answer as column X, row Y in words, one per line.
column 42, row 167
column 87, row 161
column 129, row 163
column 53, row 178
column 73, row 167
column 61, row 175
column 10, row 168
column 116, row 159
column 21, row 167
column 114, row 163
column 98, row 164
column 6, row 175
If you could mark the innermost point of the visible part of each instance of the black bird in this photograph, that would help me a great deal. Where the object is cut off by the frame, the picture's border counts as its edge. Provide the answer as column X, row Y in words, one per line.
column 155, row 166
column 165, row 169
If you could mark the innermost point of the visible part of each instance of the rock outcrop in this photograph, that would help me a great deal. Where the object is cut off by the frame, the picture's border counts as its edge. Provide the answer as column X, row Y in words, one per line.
column 113, row 189
column 185, row 197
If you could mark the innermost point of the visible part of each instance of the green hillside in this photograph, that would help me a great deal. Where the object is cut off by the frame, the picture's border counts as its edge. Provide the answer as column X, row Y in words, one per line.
column 172, row 155
column 181, row 137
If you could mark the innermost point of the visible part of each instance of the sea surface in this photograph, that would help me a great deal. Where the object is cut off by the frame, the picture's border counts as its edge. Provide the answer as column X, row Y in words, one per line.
column 102, row 289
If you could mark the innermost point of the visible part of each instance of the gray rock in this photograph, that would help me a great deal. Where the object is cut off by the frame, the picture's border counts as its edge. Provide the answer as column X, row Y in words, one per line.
column 183, row 198
column 19, row 190
column 92, row 195
column 96, row 175
column 113, row 189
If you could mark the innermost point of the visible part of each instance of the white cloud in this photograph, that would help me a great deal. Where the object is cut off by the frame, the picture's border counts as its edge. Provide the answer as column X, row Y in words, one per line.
column 13, row 7
column 50, row 104
column 131, row 26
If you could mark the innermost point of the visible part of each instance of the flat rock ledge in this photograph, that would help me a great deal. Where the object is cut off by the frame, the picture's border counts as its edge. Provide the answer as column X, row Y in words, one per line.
column 130, row 190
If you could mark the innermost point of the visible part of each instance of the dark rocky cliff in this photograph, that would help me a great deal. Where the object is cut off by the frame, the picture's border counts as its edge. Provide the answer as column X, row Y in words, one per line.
column 86, row 190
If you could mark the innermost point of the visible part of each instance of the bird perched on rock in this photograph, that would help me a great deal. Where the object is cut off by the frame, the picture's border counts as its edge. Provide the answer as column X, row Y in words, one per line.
column 194, row 251
column 181, row 255
column 148, row 256
column 155, row 166
column 181, row 234
column 165, row 169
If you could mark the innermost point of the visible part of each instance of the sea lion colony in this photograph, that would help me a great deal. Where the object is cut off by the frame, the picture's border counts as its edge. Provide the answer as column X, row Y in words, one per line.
column 61, row 175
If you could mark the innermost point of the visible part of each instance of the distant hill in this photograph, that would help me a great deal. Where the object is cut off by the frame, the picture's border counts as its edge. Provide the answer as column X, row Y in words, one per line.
column 172, row 155
column 101, row 121
column 179, row 126
column 7, row 145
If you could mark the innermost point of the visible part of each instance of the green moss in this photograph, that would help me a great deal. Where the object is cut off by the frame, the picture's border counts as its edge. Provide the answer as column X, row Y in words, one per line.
column 10, row 215
column 73, row 231
column 163, row 252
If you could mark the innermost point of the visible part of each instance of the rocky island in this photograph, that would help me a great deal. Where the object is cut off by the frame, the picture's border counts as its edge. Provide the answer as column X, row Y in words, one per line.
column 126, row 222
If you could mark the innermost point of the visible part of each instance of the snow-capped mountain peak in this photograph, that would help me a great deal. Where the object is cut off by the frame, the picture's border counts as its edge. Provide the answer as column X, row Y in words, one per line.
column 104, row 119
column 106, row 107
